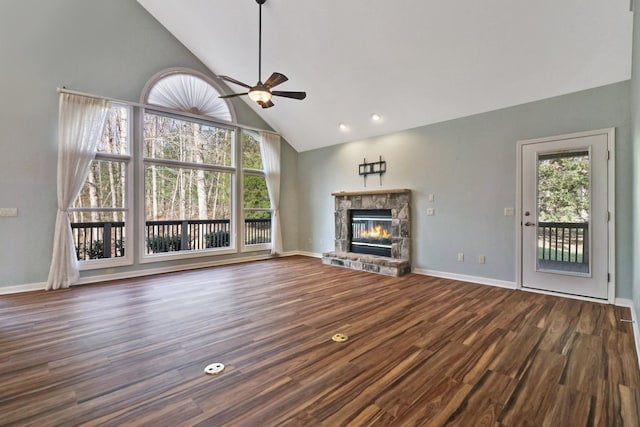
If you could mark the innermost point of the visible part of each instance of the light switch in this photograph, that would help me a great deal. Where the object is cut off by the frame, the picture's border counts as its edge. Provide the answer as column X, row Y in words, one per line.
column 8, row 211
column 432, row 197
column 509, row 212
column 431, row 211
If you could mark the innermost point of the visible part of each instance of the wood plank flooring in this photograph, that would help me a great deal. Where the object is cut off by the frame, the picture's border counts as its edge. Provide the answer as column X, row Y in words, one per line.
column 422, row 351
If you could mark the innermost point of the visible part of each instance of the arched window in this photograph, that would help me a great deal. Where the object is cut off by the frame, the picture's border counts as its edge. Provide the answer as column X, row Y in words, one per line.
column 204, row 190
column 189, row 91
column 196, row 172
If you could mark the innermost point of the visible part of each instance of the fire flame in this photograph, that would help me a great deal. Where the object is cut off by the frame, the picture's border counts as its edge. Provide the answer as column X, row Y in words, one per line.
column 377, row 232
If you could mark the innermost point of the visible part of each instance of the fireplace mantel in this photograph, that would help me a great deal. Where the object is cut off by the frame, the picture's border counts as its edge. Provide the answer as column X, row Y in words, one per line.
column 370, row 192
column 398, row 201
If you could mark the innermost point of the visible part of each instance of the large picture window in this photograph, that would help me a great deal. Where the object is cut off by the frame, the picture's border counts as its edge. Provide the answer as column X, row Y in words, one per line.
column 201, row 183
column 188, row 185
column 100, row 216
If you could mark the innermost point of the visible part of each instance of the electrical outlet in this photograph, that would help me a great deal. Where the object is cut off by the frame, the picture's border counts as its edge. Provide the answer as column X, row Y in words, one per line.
column 481, row 259
column 431, row 211
column 8, row 211
column 509, row 212
column 460, row 256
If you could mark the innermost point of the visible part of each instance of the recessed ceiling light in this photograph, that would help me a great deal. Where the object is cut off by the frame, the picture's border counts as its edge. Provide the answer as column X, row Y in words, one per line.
column 376, row 117
column 343, row 126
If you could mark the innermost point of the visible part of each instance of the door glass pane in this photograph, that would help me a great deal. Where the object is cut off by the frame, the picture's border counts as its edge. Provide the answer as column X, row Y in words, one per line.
column 564, row 200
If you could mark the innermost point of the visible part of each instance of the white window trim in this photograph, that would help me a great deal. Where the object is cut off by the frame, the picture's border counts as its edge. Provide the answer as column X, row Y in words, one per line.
column 127, row 259
column 259, row 246
column 145, row 258
column 241, row 209
column 135, row 218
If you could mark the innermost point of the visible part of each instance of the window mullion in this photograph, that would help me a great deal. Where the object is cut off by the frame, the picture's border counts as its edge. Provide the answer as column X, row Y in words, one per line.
column 188, row 165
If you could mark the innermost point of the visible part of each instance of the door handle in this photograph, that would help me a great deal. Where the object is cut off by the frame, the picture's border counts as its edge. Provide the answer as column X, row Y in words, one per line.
column 529, row 224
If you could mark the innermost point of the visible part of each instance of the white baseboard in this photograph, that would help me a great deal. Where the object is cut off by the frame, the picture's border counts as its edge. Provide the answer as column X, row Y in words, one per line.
column 16, row 289
column 290, row 253
column 30, row 287
column 168, row 269
column 310, row 254
column 465, row 278
column 6, row 290
column 302, row 253
column 623, row 302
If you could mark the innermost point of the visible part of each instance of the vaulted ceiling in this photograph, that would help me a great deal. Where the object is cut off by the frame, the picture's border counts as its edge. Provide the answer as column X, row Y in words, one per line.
column 414, row 62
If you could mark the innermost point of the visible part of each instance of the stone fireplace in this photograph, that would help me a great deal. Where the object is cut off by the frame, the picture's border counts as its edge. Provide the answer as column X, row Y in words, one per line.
column 372, row 231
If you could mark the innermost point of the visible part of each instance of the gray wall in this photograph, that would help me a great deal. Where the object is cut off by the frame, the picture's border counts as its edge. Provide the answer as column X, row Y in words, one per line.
column 108, row 48
column 470, row 166
column 635, row 116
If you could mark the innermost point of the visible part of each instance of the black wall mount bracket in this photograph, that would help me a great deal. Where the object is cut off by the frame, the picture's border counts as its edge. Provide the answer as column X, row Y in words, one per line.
column 369, row 168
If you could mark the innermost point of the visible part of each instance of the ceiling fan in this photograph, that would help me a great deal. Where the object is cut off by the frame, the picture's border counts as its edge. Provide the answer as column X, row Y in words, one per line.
column 261, row 92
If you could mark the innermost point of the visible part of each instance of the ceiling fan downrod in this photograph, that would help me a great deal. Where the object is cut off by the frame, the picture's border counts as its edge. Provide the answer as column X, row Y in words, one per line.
column 260, row 3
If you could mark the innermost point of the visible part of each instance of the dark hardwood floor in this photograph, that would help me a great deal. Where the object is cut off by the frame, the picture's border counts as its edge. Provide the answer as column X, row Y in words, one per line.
column 422, row 351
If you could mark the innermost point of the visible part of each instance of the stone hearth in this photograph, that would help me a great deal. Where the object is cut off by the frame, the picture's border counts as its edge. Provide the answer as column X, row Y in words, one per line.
column 399, row 202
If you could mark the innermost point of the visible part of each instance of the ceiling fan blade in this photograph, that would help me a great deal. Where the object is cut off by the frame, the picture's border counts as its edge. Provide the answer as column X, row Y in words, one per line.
column 266, row 104
column 275, row 79
column 233, row 95
column 286, row 94
column 232, row 80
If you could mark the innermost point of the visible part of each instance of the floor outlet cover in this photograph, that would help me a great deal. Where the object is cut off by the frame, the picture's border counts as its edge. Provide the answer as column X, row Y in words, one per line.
column 214, row 368
column 339, row 337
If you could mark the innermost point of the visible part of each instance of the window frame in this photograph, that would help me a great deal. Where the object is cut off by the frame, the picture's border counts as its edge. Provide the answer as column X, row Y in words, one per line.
column 127, row 159
column 143, row 162
column 251, row 172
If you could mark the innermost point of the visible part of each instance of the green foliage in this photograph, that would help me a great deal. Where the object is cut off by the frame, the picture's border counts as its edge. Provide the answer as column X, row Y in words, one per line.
column 255, row 192
column 258, row 215
column 158, row 244
column 217, row 239
column 251, row 155
column 563, row 189
column 95, row 250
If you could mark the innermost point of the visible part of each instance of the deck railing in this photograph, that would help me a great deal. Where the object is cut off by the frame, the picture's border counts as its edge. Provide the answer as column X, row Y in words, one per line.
column 164, row 236
column 563, row 242
column 89, row 239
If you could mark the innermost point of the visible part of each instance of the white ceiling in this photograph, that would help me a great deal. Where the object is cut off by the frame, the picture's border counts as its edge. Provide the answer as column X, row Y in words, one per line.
column 414, row 62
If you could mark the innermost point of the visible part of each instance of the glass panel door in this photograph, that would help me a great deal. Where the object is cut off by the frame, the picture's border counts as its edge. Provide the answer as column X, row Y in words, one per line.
column 564, row 204
column 564, row 213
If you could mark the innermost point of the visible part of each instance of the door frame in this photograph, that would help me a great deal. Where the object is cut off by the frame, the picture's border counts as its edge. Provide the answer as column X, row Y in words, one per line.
column 611, row 205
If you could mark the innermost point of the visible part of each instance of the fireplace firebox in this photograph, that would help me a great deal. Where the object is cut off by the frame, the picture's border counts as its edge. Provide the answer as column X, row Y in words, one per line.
column 370, row 231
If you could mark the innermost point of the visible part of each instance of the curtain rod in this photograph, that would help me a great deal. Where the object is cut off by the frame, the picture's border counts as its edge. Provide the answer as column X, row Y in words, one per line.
column 164, row 110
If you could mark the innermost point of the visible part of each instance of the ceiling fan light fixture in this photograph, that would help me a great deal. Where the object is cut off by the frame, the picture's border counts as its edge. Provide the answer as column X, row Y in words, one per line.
column 260, row 95
column 261, row 92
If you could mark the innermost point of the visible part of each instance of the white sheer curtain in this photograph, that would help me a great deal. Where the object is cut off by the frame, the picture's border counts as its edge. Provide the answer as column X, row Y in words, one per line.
column 270, row 149
column 80, row 125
